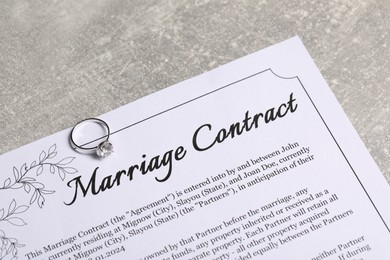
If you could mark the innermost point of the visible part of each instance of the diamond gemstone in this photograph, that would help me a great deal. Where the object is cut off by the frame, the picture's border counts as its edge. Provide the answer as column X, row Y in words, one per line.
column 104, row 149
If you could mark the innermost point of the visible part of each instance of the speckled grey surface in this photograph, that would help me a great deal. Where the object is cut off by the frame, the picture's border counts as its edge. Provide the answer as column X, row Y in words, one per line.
column 63, row 61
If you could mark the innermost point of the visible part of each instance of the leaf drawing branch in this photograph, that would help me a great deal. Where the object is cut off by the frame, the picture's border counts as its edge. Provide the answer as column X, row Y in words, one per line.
column 21, row 180
column 12, row 211
column 8, row 246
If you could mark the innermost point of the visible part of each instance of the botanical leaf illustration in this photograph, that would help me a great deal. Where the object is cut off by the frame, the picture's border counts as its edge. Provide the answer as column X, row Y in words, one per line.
column 23, row 168
column 12, row 206
column 21, row 180
column 29, row 184
column 52, row 169
column 39, row 170
column 33, row 164
column 20, row 209
column 12, row 211
column 61, row 173
column 42, row 156
column 34, row 197
column 16, row 221
column 27, row 188
column 52, row 148
column 8, row 246
column 16, row 173
column 47, row 191
column 7, row 182
column 66, row 161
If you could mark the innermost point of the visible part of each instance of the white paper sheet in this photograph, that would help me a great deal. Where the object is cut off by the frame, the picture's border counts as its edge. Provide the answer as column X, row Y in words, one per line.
column 253, row 160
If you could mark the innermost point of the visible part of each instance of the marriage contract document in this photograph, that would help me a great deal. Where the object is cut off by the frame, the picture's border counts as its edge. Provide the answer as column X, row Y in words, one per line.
column 252, row 160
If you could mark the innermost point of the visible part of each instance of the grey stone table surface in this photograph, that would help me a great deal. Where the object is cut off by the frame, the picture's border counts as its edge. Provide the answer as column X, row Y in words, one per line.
column 63, row 61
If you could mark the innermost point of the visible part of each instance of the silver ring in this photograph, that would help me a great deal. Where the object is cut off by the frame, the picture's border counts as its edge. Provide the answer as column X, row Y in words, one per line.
column 102, row 149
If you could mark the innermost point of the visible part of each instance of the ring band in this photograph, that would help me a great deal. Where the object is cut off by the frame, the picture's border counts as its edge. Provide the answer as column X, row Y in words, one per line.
column 102, row 149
